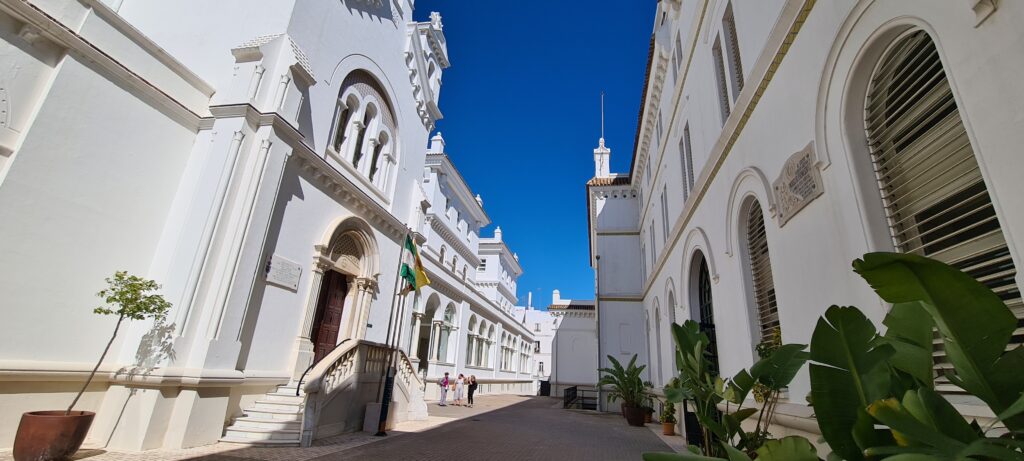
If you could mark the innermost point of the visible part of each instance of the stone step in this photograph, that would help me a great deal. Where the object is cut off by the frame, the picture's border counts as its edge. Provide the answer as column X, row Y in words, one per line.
column 294, row 407
column 274, row 414
column 261, row 443
column 273, row 424
column 252, row 433
column 289, row 389
column 285, row 398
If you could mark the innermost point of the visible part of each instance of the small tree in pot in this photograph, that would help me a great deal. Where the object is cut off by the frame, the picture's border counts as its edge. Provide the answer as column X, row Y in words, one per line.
column 668, row 419
column 627, row 386
column 51, row 435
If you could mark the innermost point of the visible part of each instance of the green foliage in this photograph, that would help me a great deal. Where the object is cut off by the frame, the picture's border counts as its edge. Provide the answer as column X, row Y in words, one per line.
column 625, row 382
column 669, row 414
column 874, row 395
column 132, row 297
column 129, row 297
column 698, row 384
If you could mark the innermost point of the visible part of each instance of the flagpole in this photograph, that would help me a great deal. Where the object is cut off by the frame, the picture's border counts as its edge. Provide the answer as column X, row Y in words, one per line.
column 386, row 369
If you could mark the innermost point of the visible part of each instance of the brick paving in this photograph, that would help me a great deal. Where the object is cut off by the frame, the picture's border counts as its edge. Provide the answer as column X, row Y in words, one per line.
column 499, row 427
column 534, row 429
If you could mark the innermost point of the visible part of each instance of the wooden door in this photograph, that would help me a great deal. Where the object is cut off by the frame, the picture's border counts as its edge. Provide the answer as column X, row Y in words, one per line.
column 330, row 306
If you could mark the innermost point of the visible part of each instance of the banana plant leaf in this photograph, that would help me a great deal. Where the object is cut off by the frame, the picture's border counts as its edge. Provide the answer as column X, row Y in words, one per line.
column 848, row 372
column 778, row 369
column 910, row 334
column 975, row 324
column 790, row 448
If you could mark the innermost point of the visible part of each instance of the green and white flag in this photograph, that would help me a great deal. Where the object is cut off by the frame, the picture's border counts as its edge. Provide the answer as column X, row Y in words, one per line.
column 412, row 267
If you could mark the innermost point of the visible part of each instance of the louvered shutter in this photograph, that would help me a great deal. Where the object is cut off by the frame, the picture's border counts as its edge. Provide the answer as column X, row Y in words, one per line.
column 932, row 190
column 761, row 272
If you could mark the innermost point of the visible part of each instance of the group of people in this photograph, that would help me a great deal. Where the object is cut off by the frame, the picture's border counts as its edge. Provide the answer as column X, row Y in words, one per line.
column 457, row 388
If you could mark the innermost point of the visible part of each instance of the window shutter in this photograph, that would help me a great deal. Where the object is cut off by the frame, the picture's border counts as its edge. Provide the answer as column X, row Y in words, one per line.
column 761, row 272
column 723, row 91
column 733, row 51
column 934, row 196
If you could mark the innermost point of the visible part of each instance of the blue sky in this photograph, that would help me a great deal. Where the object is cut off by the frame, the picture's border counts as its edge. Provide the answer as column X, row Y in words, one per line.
column 521, row 106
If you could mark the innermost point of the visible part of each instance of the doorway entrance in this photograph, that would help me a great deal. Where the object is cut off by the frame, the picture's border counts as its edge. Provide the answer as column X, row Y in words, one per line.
column 330, row 307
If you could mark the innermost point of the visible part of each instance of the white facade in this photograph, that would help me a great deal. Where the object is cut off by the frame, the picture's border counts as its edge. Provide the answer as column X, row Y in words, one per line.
column 575, row 346
column 262, row 160
column 755, row 111
column 464, row 320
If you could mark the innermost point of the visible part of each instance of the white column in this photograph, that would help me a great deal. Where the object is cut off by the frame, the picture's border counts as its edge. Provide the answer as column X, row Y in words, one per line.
column 414, row 348
column 366, row 289
column 282, row 91
column 350, row 141
column 367, row 160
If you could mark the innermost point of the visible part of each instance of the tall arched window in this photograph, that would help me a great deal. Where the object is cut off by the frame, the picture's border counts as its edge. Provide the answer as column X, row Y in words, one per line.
column 702, row 306
column 365, row 133
column 657, row 341
column 479, row 359
column 759, row 267
column 934, row 196
column 471, row 339
column 447, row 326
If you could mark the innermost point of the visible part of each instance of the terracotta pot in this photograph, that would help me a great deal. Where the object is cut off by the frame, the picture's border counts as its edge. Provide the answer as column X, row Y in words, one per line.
column 635, row 416
column 51, row 435
column 668, row 428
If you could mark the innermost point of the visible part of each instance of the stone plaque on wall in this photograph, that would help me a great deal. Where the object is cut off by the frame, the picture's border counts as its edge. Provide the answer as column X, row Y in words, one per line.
column 799, row 183
column 284, row 273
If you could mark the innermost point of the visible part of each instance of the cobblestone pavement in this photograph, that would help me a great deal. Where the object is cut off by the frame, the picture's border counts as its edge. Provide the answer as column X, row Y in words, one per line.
column 498, row 427
column 534, row 429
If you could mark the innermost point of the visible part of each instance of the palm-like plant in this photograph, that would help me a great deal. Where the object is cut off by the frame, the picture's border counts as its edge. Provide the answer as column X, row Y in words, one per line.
column 625, row 382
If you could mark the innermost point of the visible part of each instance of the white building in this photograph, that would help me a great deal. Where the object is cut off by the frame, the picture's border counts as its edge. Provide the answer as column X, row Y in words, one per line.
column 261, row 159
column 464, row 319
column 778, row 141
column 575, row 346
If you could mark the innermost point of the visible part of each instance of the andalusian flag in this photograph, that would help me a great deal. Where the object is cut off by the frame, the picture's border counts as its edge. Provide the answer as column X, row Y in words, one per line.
column 412, row 267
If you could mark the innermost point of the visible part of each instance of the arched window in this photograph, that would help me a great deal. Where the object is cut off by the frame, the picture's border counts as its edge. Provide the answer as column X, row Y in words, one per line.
column 471, row 340
column 490, row 343
column 759, row 267
column 657, row 340
column 443, row 250
column 343, row 121
column 365, row 132
column 447, row 325
column 368, row 115
column 934, row 196
column 480, row 345
column 701, row 305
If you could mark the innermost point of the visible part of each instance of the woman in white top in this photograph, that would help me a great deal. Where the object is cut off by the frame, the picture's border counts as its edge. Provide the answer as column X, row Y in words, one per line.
column 459, row 385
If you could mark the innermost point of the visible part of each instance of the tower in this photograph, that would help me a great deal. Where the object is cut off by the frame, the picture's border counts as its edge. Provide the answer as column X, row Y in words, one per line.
column 602, row 155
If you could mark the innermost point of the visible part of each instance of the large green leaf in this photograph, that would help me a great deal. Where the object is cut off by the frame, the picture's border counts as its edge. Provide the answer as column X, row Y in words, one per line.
column 931, row 409
column 734, row 454
column 910, row 335
column 974, row 323
column 848, row 372
column 792, row 448
column 910, row 431
column 778, row 369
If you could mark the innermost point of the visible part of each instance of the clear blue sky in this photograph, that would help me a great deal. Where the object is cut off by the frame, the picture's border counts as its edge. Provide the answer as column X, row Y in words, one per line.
column 521, row 106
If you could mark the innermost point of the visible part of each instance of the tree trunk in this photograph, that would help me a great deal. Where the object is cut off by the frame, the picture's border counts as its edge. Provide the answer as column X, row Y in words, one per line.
column 97, row 367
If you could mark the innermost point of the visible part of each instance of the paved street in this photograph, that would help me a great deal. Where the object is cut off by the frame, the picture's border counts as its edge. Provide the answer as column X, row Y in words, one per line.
column 499, row 427
column 533, row 429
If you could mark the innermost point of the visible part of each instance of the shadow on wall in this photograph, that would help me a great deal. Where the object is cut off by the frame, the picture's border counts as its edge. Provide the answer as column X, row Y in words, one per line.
column 375, row 9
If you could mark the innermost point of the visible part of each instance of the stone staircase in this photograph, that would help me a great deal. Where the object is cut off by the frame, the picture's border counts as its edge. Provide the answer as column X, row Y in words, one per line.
column 274, row 420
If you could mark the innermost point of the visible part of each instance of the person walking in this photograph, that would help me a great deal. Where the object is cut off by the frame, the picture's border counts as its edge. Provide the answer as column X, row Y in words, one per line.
column 444, row 390
column 472, row 389
column 460, row 383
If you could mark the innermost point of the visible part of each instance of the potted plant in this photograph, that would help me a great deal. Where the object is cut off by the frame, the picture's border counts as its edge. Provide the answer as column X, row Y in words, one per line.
column 648, row 414
column 626, row 385
column 57, row 434
column 668, row 419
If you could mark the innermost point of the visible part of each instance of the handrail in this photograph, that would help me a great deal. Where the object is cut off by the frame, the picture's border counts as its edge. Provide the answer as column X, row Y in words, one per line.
column 569, row 396
column 298, row 385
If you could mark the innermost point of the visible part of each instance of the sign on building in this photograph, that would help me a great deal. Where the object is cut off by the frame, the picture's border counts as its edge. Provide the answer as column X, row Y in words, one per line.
column 799, row 184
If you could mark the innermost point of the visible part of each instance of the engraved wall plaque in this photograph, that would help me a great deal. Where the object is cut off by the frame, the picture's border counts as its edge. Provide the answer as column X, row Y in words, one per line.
column 799, row 184
column 283, row 273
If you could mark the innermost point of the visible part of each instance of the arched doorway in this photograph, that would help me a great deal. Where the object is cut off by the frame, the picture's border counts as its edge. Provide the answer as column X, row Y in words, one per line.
column 426, row 333
column 344, row 285
column 702, row 305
